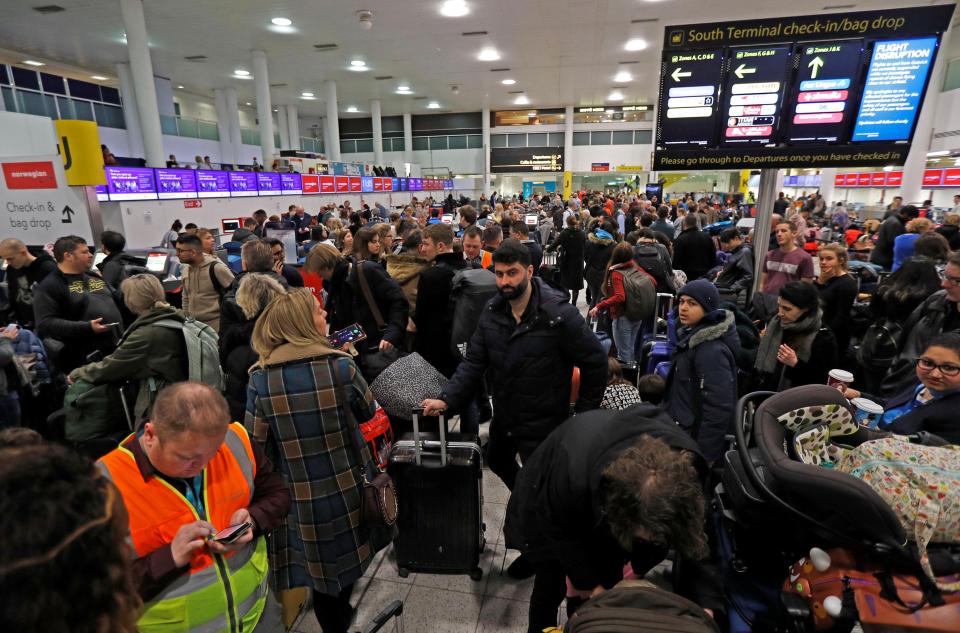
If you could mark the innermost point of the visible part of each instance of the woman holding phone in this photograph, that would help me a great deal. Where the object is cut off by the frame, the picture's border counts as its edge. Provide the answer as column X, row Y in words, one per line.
column 303, row 403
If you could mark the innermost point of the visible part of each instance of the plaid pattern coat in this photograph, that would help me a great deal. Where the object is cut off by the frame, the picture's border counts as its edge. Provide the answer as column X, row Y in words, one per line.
column 294, row 411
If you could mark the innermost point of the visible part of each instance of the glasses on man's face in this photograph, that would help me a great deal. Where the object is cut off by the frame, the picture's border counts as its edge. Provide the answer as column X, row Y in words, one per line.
column 947, row 369
column 180, row 251
column 955, row 281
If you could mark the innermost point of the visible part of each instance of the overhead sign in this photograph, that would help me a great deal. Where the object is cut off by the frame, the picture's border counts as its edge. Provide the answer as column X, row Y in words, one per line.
column 37, row 203
column 526, row 159
column 629, row 168
column 79, row 145
column 812, row 91
column 599, row 166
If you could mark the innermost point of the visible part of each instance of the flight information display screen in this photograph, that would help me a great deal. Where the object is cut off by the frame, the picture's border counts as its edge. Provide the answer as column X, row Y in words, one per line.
column 688, row 96
column 754, row 92
column 825, row 90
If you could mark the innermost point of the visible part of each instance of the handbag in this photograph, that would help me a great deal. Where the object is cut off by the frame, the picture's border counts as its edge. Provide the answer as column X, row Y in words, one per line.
column 378, row 508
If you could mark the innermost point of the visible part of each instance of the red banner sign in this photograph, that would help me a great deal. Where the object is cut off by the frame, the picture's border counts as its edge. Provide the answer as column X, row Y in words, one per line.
column 30, row 175
column 311, row 184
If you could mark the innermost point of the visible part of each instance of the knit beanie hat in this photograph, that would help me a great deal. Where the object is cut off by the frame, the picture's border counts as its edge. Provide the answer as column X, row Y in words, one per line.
column 703, row 292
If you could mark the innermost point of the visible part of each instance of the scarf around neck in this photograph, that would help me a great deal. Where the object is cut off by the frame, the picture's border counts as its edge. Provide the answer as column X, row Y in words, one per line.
column 802, row 331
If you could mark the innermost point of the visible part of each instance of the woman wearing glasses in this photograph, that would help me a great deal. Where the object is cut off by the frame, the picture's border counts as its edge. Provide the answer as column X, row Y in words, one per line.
column 931, row 403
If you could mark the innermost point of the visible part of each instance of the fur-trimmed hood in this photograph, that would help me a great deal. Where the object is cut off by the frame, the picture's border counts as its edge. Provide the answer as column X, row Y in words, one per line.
column 717, row 325
column 601, row 241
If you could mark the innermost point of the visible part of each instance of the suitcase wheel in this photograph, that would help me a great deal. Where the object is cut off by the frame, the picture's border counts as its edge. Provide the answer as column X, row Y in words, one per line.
column 476, row 574
column 403, row 572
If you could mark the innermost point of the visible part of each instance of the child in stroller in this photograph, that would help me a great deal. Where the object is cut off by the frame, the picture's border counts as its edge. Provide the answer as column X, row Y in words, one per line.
column 776, row 510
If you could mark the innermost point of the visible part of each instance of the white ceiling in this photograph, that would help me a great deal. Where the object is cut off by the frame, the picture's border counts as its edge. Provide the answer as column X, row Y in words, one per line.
column 559, row 51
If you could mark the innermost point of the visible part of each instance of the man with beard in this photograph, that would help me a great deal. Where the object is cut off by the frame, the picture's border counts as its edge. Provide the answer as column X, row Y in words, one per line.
column 527, row 341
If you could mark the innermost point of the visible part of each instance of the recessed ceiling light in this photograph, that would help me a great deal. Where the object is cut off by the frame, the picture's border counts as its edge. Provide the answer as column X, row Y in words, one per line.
column 636, row 44
column 281, row 22
column 534, row 113
column 358, row 62
column 454, row 9
column 489, row 55
column 622, row 77
column 241, row 72
column 248, row 103
column 521, row 100
column 352, row 109
column 433, row 105
column 98, row 77
column 30, row 62
column 306, row 94
column 616, row 95
column 179, row 87
column 508, row 82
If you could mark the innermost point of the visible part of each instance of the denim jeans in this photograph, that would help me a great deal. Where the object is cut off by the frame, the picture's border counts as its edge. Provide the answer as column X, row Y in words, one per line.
column 625, row 333
column 9, row 410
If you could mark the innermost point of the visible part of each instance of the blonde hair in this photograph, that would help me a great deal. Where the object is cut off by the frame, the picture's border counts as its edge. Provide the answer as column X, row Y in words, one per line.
column 334, row 224
column 919, row 225
column 843, row 258
column 288, row 318
column 255, row 291
column 322, row 257
column 952, row 218
column 142, row 293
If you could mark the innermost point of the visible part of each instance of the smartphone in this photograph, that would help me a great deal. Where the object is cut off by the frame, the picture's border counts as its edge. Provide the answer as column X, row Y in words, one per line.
column 349, row 334
column 232, row 533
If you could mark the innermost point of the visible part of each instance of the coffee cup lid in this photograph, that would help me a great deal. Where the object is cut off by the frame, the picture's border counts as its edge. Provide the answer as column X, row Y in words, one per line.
column 841, row 374
column 867, row 405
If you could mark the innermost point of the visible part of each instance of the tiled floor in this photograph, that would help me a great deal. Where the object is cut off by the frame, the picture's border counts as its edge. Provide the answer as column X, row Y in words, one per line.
column 446, row 603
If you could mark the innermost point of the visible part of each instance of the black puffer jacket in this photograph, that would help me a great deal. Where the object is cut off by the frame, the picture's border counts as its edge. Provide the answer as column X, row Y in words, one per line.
column 554, row 512
column 694, row 253
column 921, row 326
column 434, row 317
column 529, row 365
column 704, row 369
column 596, row 254
column 571, row 244
column 346, row 304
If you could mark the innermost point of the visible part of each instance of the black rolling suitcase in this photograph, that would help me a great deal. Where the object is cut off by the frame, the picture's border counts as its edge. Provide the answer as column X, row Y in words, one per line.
column 440, row 519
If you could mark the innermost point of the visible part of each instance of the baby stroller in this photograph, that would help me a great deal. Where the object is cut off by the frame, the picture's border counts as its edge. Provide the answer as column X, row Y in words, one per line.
column 814, row 548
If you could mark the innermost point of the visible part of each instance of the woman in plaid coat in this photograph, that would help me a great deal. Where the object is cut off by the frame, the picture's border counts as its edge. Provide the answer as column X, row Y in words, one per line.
column 296, row 409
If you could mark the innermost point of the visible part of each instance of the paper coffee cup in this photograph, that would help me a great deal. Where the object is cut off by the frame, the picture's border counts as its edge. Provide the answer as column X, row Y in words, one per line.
column 838, row 377
column 867, row 412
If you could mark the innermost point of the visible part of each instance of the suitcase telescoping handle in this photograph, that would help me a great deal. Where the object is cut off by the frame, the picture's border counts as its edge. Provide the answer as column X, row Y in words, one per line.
column 416, row 436
column 393, row 610
column 663, row 298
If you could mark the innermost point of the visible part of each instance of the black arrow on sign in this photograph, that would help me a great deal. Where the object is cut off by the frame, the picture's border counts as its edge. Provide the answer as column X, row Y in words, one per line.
column 67, row 215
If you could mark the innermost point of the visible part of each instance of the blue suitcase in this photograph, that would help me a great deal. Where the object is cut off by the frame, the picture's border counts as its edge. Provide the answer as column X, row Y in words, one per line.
column 656, row 347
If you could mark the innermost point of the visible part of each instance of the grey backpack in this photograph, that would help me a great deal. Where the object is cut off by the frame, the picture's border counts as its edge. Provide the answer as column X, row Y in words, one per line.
column 203, row 355
column 641, row 293
column 637, row 605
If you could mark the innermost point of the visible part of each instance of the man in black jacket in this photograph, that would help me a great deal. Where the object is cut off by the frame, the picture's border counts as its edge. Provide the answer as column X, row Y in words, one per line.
column 736, row 277
column 75, row 307
column 246, row 233
column 434, row 316
column 605, row 488
column 382, row 314
column 24, row 272
column 882, row 253
column 693, row 250
column 115, row 265
column 527, row 342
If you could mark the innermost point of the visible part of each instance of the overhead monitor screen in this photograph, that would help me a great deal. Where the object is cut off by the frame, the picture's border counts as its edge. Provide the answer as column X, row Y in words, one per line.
column 213, row 184
column 895, row 85
column 355, row 184
column 103, row 193
column 366, row 184
column 268, row 183
column 176, row 183
column 825, row 91
column 243, row 183
column 157, row 262
column 311, row 184
column 343, row 184
column 688, row 95
column 291, row 184
column 754, row 93
column 327, row 184
column 131, row 183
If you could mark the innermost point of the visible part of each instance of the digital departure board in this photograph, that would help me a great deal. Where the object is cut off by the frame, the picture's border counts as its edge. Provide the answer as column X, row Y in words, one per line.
column 822, row 90
column 754, row 91
column 688, row 96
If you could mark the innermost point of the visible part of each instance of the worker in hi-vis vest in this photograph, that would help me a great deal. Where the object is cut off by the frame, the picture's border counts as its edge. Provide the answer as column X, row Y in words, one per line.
column 186, row 477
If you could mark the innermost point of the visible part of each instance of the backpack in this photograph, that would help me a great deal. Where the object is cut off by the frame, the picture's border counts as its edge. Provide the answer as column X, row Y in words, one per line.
column 471, row 289
column 640, row 290
column 203, row 355
column 638, row 605
column 647, row 257
column 880, row 344
column 93, row 412
column 217, row 286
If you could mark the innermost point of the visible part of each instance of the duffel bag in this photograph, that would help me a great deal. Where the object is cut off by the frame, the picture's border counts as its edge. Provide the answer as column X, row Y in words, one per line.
column 638, row 605
column 406, row 383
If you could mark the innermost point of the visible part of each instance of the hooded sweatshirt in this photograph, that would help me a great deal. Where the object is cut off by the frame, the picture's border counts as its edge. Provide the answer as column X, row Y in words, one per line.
column 201, row 300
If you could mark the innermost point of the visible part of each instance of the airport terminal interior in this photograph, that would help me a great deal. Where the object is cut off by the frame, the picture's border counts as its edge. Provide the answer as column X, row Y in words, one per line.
column 469, row 316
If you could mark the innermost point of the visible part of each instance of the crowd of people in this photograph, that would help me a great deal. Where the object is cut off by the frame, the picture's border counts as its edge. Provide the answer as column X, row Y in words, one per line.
column 224, row 402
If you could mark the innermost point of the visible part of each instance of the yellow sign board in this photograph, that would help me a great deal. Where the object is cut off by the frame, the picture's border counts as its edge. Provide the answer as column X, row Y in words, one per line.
column 744, row 181
column 567, row 184
column 630, row 168
column 79, row 145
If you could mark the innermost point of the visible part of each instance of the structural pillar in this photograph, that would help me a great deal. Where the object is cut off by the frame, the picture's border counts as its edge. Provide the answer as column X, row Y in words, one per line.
column 911, row 187
column 293, row 126
column 770, row 181
column 283, row 128
column 332, row 142
column 233, row 114
column 485, row 124
column 223, row 126
column 141, row 71
column 377, row 132
column 827, row 188
column 261, row 82
column 131, row 118
column 407, row 138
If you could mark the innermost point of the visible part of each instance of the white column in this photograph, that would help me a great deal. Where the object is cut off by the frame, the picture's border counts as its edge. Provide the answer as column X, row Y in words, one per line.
column 568, row 137
column 141, row 70
column 293, row 126
column 485, row 125
column 332, row 142
column 233, row 112
column 912, row 185
column 407, row 138
column 261, row 82
column 377, row 132
column 223, row 125
column 827, row 185
column 282, row 127
column 131, row 118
